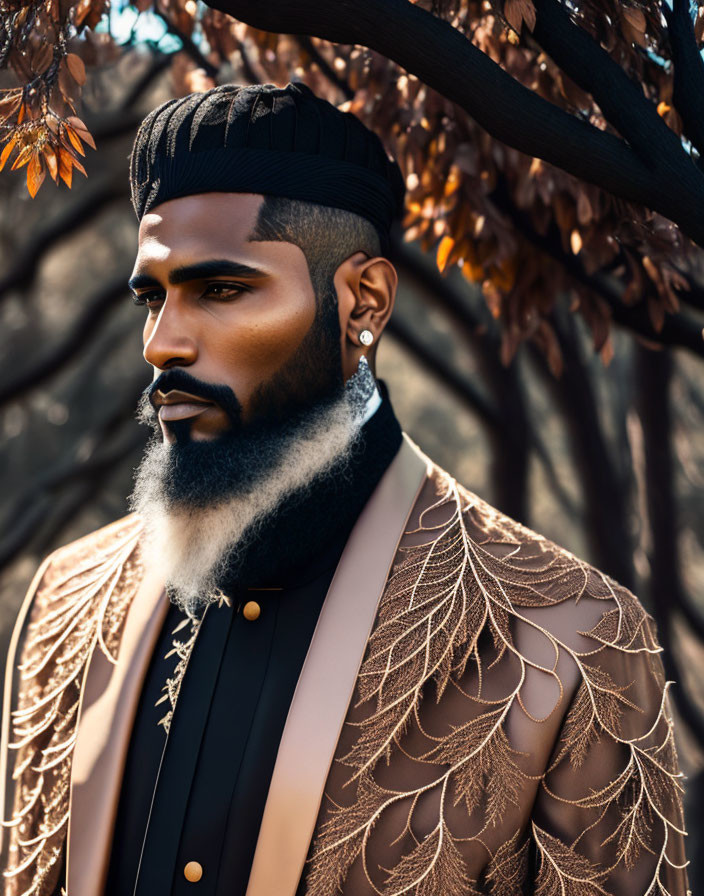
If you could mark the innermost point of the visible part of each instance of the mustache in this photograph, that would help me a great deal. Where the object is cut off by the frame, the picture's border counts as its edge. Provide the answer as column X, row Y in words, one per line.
column 178, row 378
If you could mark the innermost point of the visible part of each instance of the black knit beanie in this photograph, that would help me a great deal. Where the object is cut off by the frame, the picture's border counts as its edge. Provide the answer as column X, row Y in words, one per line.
column 278, row 141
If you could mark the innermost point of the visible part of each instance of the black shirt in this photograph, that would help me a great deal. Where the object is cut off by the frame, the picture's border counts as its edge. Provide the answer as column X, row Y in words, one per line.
column 198, row 794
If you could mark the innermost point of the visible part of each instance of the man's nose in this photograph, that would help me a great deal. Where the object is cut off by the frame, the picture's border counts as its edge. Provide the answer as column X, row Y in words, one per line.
column 170, row 342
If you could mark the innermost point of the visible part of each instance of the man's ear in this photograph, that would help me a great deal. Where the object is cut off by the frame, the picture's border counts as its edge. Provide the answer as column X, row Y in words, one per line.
column 366, row 291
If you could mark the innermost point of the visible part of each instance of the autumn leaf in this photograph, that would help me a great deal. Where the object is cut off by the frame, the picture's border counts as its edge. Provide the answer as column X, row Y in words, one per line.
column 634, row 17
column 446, row 246
column 65, row 169
column 519, row 11
column 22, row 158
column 7, row 151
column 35, row 174
column 79, row 127
column 9, row 105
column 51, row 163
column 75, row 142
column 77, row 68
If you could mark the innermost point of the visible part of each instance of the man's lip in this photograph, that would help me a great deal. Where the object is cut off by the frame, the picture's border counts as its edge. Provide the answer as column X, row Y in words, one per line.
column 183, row 410
column 177, row 405
column 175, row 396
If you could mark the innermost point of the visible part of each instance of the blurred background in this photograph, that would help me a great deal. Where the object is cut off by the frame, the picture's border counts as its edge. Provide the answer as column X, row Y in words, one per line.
column 502, row 358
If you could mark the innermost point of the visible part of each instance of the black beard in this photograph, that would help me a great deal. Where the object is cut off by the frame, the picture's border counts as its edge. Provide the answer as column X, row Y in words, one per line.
column 198, row 474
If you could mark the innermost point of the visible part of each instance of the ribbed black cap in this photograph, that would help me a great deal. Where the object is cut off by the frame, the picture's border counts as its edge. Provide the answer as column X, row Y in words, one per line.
column 280, row 141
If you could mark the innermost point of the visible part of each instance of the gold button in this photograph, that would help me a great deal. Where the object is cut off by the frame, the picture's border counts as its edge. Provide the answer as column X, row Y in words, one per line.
column 193, row 872
column 251, row 610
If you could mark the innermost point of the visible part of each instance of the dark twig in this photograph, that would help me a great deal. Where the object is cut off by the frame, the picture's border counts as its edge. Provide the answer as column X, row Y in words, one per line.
column 307, row 45
column 188, row 45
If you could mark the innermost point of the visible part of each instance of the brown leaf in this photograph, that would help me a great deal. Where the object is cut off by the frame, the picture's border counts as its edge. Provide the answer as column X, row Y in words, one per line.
column 519, row 11
column 77, row 164
column 77, row 68
column 82, row 131
column 9, row 105
column 65, row 169
column 635, row 18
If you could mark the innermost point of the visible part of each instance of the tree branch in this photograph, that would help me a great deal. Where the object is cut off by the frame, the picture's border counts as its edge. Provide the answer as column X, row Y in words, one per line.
column 448, row 298
column 89, row 203
column 84, row 475
column 655, row 409
column 189, row 47
column 424, row 45
column 688, row 71
column 92, row 316
column 605, row 492
column 621, row 100
column 307, row 45
column 678, row 330
column 445, row 372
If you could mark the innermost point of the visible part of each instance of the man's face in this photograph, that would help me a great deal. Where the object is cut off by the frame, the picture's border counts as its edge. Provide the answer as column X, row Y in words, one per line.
column 236, row 314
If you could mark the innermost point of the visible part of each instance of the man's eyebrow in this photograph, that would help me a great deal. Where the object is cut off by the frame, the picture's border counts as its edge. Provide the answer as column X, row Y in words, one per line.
column 198, row 271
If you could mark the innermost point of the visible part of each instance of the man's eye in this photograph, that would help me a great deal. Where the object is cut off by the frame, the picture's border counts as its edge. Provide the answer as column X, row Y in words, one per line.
column 146, row 298
column 224, row 290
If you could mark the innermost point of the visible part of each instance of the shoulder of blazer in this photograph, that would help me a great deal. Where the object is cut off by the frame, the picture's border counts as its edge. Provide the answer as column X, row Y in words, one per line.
column 499, row 664
column 77, row 601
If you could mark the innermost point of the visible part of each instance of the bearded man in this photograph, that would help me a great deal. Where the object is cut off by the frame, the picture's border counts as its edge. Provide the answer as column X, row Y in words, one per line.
column 309, row 661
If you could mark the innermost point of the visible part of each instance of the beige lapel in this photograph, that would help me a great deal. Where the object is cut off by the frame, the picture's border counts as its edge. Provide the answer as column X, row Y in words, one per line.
column 109, row 698
column 328, row 677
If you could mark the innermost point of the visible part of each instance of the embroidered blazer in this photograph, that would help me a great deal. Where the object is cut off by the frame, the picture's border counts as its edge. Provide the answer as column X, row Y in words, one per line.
column 479, row 712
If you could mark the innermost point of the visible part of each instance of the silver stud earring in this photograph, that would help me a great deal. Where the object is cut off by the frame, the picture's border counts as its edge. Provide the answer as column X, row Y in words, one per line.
column 366, row 337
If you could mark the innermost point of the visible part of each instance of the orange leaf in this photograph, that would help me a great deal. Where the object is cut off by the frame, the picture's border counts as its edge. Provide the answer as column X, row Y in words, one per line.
column 77, row 68
column 23, row 157
column 9, row 146
column 663, row 109
column 473, row 272
column 65, row 170
column 75, row 142
column 444, row 249
column 81, row 130
column 35, row 175
column 51, row 163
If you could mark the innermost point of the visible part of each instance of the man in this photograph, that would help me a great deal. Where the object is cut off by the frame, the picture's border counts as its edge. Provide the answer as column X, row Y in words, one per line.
column 310, row 662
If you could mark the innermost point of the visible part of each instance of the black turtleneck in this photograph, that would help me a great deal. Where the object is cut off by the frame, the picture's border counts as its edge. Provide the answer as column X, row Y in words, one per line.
column 198, row 794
